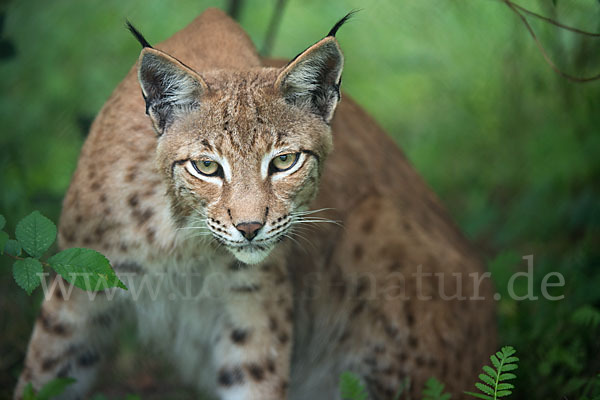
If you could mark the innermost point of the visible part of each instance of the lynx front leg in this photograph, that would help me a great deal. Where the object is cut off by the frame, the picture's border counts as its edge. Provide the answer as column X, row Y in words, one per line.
column 252, row 357
column 68, row 339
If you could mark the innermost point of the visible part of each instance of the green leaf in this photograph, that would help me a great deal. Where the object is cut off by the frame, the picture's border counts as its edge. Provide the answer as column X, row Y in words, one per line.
column 491, row 382
column 490, row 371
column 351, row 388
column 509, row 367
column 495, row 361
column 27, row 274
column 487, row 379
column 484, row 388
column 28, row 393
column 508, row 351
column 85, row 268
column 12, row 247
column 504, row 386
column 505, row 377
column 480, row 396
column 434, row 389
column 54, row 388
column 3, row 239
column 2, row 221
column 36, row 234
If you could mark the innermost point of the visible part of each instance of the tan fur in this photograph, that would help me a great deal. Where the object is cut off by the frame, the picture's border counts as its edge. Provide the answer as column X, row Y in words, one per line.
column 334, row 297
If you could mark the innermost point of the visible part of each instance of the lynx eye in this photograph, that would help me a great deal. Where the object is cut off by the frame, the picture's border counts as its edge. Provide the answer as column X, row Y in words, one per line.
column 284, row 162
column 206, row 167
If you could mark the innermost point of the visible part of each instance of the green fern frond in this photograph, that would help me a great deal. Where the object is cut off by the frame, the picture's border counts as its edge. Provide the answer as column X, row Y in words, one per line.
column 351, row 388
column 434, row 390
column 587, row 316
column 493, row 383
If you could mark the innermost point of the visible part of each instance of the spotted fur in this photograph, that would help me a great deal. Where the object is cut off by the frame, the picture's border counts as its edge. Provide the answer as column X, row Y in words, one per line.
column 282, row 315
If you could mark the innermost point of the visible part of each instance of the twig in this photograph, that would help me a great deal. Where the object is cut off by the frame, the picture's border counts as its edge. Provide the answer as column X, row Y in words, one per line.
column 234, row 9
column 45, row 264
column 273, row 27
column 572, row 78
column 554, row 22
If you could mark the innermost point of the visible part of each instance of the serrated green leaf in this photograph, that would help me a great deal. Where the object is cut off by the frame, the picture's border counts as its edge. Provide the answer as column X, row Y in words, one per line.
column 509, row 367
column 85, row 268
column 503, row 393
column 28, row 393
column 3, row 239
column 484, row 388
column 36, row 234
column 27, row 274
column 504, row 386
column 487, row 379
column 433, row 390
column 490, row 371
column 480, row 396
column 505, row 377
column 508, row 351
column 495, row 361
column 2, row 221
column 12, row 247
column 510, row 360
column 54, row 388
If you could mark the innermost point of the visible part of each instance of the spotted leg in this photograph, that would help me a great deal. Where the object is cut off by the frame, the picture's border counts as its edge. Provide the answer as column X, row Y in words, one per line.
column 69, row 339
column 252, row 356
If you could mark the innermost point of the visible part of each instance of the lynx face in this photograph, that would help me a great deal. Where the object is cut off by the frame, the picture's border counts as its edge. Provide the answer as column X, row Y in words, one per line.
column 242, row 152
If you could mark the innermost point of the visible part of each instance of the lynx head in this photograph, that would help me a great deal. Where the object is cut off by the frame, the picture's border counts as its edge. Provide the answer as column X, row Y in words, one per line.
column 242, row 151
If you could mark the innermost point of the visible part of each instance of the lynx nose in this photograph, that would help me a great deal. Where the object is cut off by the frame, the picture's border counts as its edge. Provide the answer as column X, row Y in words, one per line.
column 249, row 229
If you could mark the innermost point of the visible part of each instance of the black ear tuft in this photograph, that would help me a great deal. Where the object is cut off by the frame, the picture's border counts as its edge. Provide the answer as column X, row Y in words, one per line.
column 341, row 22
column 312, row 80
column 140, row 38
column 170, row 89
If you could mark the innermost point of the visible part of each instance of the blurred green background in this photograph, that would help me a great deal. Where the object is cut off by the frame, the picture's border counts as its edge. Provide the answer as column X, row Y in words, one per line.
column 511, row 148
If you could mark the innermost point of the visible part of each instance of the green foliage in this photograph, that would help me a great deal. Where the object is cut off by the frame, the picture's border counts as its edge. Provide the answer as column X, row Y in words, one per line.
column 28, row 273
column 351, row 388
column 28, row 392
column 85, row 268
column 52, row 389
column 510, row 148
column 36, row 234
column 493, row 383
column 434, row 390
column 12, row 248
column 587, row 316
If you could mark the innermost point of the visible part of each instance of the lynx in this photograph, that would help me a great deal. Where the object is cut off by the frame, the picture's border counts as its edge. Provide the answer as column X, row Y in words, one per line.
column 278, row 263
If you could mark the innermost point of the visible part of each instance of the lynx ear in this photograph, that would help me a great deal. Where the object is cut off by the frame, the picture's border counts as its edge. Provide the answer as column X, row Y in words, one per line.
column 312, row 80
column 168, row 86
